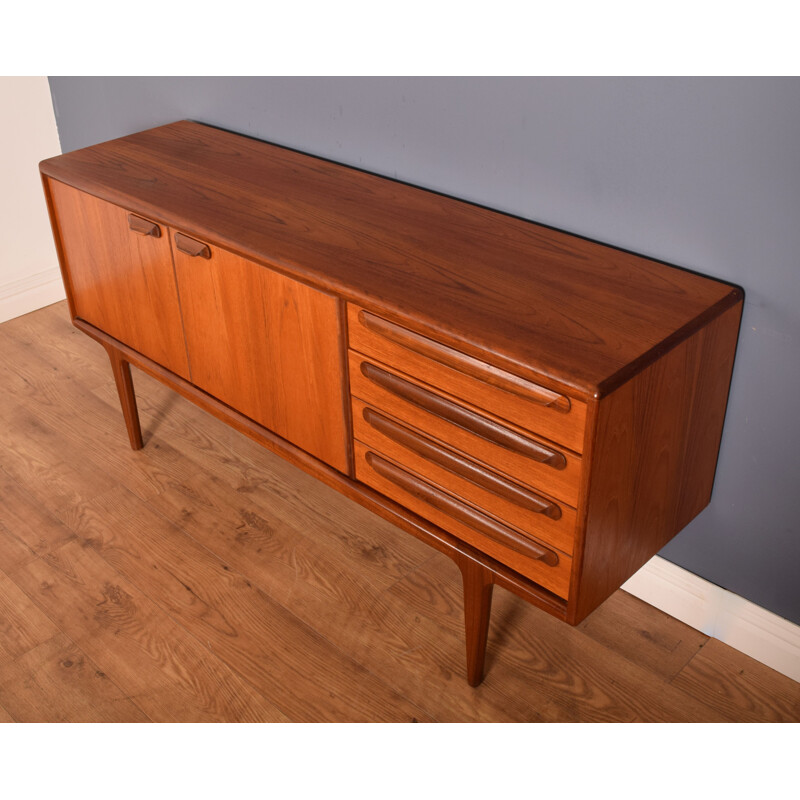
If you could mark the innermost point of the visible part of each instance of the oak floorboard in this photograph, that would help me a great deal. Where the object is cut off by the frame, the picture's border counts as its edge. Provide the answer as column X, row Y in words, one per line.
column 12, row 550
column 50, row 336
column 270, row 488
column 34, row 456
column 274, row 549
column 280, row 656
column 84, row 521
column 154, row 661
column 28, row 529
column 23, row 370
column 111, row 458
column 259, row 474
column 330, row 577
column 56, row 682
column 568, row 676
column 77, row 421
column 743, row 689
column 346, row 604
column 656, row 641
column 22, row 625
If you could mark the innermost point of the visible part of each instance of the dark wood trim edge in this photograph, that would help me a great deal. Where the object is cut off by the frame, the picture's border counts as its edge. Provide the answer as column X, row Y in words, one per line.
column 344, row 345
column 62, row 260
column 647, row 358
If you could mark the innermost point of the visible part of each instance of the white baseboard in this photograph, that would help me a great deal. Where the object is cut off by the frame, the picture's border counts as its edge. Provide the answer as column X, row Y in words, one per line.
column 759, row 633
column 29, row 293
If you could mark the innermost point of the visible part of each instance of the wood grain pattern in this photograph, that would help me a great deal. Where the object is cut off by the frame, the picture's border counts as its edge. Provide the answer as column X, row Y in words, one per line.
column 478, row 592
column 57, row 682
column 254, row 498
column 28, row 448
column 408, row 340
column 12, row 550
column 540, row 303
column 29, row 530
column 55, row 431
column 653, row 468
column 507, row 398
column 169, row 674
column 456, row 508
column 556, row 532
column 48, row 339
column 121, row 281
column 383, row 598
column 433, row 535
column 236, row 620
column 459, row 465
column 556, row 673
column 561, row 484
column 22, row 625
column 458, row 414
column 521, row 352
column 554, row 578
column 269, row 347
column 659, row 644
column 740, row 687
column 127, row 397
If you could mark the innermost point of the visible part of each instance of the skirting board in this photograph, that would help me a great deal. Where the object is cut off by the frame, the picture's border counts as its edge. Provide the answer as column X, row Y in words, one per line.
column 29, row 293
column 758, row 633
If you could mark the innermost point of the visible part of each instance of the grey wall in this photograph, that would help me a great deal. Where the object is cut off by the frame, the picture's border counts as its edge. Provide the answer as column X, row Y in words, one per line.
column 703, row 173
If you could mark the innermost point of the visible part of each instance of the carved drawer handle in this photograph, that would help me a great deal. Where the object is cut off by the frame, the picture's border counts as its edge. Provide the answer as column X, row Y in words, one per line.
column 143, row 226
column 191, row 246
column 463, row 363
column 461, row 466
column 459, row 511
column 464, row 418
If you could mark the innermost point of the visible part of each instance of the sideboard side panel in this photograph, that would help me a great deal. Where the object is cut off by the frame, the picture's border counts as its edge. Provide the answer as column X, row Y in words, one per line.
column 655, row 456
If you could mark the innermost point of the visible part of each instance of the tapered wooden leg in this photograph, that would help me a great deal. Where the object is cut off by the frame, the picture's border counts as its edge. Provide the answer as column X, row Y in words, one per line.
column 478, row 585
column 127, row 398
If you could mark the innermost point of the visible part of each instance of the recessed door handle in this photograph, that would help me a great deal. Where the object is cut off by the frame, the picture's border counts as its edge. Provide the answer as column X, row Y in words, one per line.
column 454, row 359
column 461, row 465
column 143, row 226
column 191, row 246
column 459, row 511
column 463, row 417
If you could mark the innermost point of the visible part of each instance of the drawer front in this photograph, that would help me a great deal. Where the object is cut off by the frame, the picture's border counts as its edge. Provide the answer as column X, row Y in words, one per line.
column 549, row 414
column 538, row 562
column 545, row 518
column 501, row 446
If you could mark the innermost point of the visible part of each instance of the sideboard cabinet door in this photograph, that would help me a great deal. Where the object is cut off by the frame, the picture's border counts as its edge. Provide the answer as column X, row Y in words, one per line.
column 118, row 268
column 266, row 345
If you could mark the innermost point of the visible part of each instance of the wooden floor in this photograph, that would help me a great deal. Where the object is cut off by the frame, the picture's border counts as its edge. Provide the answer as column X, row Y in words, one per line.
column 204, row 579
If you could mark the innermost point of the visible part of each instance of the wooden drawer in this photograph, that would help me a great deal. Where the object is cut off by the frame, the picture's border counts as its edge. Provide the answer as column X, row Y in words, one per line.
column 541, row 563
column 501, row 446
column 547, row 519
column 551, row 415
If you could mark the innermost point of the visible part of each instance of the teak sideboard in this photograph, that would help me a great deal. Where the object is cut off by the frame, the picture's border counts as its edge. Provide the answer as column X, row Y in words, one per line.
column 544, row 409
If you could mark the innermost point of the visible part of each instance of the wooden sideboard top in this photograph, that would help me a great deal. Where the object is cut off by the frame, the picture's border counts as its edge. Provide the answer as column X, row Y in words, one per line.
column 536, row 301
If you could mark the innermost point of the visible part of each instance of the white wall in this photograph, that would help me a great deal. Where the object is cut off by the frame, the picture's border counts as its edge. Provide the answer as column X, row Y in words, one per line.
column 29, row 275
